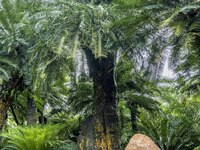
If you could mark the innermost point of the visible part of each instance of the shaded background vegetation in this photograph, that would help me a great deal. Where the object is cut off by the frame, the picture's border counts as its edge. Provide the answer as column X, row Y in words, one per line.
column 72, row 71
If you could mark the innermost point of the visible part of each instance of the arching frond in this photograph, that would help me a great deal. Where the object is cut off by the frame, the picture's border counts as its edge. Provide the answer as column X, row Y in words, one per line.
column 185, row 24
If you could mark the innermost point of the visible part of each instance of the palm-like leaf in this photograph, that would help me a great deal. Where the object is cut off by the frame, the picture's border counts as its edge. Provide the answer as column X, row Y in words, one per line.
column 169, row 133
column 31, row 138
column 185, row 54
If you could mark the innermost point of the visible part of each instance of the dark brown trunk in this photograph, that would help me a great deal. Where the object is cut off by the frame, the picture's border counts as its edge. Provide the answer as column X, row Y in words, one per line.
column 6, row 99
column 42, row 118
column 105, row 104
column 31, row 112
column 134, row 120
column 14, row 114
column 121, row 120
column 4, row 106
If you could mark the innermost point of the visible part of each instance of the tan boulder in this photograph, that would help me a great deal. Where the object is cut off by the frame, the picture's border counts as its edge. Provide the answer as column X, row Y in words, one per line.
column 141, row 142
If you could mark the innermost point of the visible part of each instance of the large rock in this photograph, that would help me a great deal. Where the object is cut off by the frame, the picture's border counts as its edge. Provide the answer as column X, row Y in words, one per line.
column 141, row 142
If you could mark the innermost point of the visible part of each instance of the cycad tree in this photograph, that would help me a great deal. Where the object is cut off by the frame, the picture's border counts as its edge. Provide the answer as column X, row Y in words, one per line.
column 17, row 33
column 96, row 30
column 10, row 37
column 176, row 124
column 135, row 89
column 23, row 34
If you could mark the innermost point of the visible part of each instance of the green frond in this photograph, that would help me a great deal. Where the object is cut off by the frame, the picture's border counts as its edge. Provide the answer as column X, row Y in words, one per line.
column 60, row 46
column 75, row 47
column 32, row 138
column 6, row 61
column 131, row 3
column 5, row 74
column 168, row 132
column 143, row 101
column 180, row 19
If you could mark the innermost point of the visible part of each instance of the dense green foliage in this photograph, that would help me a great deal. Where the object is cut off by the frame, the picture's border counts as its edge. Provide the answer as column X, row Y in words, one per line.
column 175, row 126
column 42, row 44
column 31, row 138
column 35, row 138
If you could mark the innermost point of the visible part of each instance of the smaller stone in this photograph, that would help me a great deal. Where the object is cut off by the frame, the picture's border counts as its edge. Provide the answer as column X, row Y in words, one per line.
column 141, row 142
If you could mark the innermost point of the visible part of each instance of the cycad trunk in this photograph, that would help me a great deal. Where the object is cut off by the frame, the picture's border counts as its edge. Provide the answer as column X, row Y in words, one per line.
column 42, row 118
column 6, row 99
column 4, row 106
column 31, row 112
column 105, row 104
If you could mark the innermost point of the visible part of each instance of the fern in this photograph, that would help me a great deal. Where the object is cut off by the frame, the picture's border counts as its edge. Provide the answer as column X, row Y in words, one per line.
column 31, row 138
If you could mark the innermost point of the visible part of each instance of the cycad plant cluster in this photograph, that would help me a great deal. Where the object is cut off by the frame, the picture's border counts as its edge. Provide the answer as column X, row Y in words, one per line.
column 175, row 126
column 31, row 138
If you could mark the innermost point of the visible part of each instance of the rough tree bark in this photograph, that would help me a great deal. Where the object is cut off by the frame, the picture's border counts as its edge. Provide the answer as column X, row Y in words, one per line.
column 24, row 66
column 42, row 119
column 86, row 139
column 4, row 106
column 106, row 123
column 31, row 112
